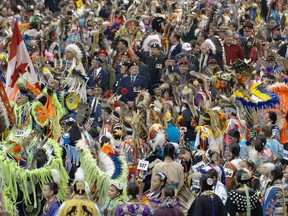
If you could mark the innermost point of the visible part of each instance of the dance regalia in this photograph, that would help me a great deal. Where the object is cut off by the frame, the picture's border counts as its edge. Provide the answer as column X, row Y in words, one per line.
column 78, row 207
column 51, row 207
column 68, row 140
column 274, row 198
column 204, row 136
column 110, row 206
column 133, row 152
column 23, row 126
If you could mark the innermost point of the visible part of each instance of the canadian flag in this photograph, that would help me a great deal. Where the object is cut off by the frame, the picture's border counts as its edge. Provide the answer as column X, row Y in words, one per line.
column 19, row 62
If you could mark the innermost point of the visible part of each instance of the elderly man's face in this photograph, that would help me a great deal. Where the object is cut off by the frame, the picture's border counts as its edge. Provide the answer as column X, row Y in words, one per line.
column 134, row 70
column 69, row 55
column 229, row 39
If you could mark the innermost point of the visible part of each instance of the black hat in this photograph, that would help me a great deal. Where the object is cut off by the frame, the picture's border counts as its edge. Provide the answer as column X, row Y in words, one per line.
column 139, row 54
column 180, row 55
column 157, row 85
column 155, row 45
column 127, row 64
column 132, row 64
column 98, row 60
column 170, row 58
column 125, row 54
column 248, row 25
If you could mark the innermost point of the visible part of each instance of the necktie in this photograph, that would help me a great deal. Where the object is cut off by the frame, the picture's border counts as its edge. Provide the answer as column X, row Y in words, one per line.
column 133, row 80
column 94, row 106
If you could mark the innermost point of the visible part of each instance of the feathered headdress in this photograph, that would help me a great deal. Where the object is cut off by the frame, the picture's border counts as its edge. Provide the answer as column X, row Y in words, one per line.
column 75, row 50
column 209, row 43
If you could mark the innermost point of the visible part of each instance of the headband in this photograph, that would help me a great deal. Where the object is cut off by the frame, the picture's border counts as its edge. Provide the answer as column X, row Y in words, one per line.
column 162, row 176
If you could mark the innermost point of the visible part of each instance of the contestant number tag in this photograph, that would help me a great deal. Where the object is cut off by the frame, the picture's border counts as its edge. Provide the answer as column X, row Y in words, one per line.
column 143, row 165
column 228, row 172
column 197, row 167
column 285, row 154
column 20, row 133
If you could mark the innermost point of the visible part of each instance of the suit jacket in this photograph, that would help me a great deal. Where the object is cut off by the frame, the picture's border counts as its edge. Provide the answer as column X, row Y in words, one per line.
column 144, row 71
column 187, row 78
column 176, row 51
column 139, row 83
column 247, row 45
column 95, row 111
column 101, row 79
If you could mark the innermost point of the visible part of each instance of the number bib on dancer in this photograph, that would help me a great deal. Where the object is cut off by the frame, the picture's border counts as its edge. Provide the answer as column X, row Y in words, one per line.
column 143, row 165
column 20, row 133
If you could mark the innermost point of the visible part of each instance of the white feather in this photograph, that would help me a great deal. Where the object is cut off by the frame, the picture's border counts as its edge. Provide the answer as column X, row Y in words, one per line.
column 112, row 140
column 158, row 141
column 55, row 176
column 82, row 145
column 165, row 86
column 149, row 40
column 79, row 175
column 266, row 167
column 186, row 91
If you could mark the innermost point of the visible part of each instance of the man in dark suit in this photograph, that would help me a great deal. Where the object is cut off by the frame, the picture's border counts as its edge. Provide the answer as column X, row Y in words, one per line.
column 133, row 83
column 95, row 104
column 248, row 40
column 97, row 75
column 155, row 62
column 185, row 76
column 176, row 45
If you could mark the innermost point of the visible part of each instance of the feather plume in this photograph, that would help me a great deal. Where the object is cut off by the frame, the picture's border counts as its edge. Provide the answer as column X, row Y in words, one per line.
column 185, row 198
column 186, row 91
column 82, row 145
column 75, row 49
column 79, row 175
column 143, row 99
column 158, row 141
column 214, row 145
column 112, row 140
column 266, row 167
column 82, row 114
column 55, row 176
column 164, row 86
column 149, row 40
column 157, row 106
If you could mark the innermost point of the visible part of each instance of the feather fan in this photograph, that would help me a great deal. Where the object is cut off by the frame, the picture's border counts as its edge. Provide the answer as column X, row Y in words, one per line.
column 185, row 198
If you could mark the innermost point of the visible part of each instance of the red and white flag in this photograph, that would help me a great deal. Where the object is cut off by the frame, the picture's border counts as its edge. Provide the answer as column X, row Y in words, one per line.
column 19, row 62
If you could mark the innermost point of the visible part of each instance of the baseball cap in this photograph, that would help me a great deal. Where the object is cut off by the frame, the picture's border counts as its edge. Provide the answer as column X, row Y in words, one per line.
column 183, row 62
column 186, row 46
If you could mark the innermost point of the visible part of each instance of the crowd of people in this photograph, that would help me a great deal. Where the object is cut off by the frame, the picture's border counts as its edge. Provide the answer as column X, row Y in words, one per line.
column 144, row 108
